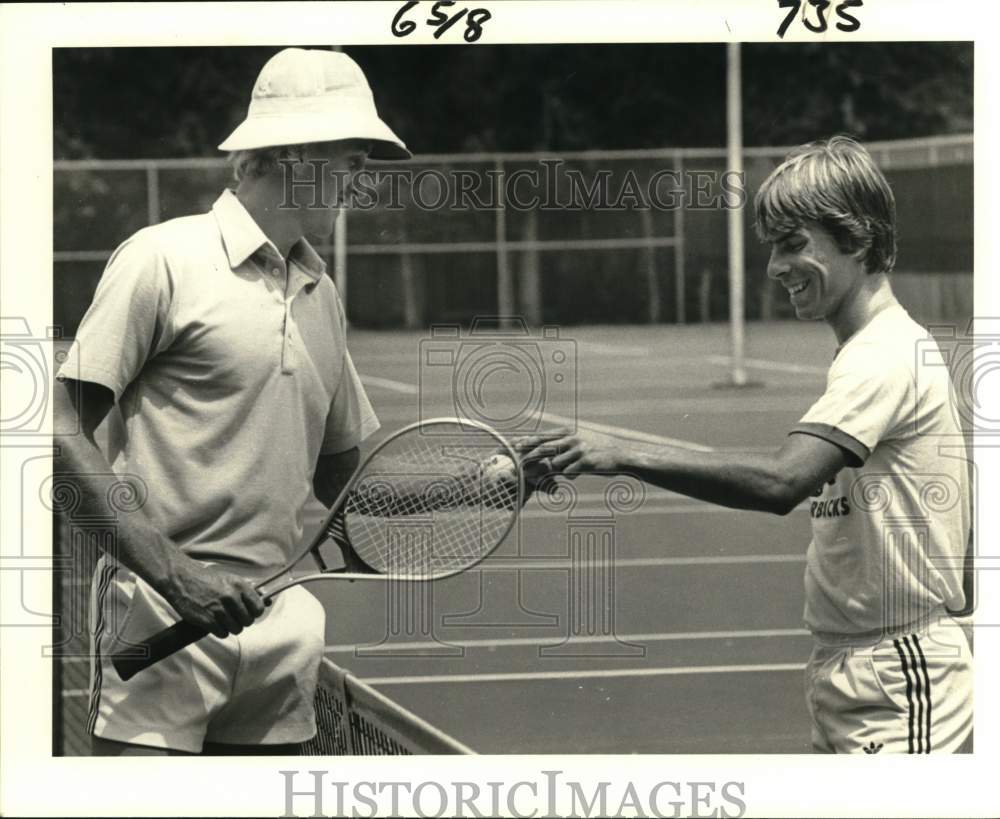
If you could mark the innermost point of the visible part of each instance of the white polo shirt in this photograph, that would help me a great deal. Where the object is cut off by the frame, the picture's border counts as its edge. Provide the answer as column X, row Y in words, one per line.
column 231, row 375
column 890, row 531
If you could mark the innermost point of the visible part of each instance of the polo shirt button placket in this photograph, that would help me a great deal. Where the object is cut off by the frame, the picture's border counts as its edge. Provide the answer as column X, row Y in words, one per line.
column 287, row 353
column 279, row 297
column 275, row 270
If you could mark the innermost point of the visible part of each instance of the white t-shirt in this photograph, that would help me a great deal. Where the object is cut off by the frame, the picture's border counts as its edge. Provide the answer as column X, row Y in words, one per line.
column 890, row 531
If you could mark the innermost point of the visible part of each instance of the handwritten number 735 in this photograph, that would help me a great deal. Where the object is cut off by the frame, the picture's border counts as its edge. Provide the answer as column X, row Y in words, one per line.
column 846, row 21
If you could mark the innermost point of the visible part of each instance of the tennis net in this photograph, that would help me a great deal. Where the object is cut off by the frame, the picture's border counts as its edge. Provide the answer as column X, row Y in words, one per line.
column 352, row 718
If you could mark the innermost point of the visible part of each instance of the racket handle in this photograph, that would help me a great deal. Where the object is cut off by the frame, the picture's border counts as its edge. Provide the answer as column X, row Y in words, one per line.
column 160, row 646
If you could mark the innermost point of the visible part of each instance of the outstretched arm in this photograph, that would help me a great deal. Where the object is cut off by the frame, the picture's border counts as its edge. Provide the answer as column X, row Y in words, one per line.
column 775, row 482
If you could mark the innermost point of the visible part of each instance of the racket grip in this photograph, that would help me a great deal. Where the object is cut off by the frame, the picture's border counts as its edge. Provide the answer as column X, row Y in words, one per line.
column 160, row 646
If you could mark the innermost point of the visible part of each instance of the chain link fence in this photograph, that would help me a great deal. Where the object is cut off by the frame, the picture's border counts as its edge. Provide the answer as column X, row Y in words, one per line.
column 587, row 243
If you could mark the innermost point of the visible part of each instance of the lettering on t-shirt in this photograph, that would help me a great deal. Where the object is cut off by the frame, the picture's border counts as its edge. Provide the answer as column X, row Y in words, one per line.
column 837, row 507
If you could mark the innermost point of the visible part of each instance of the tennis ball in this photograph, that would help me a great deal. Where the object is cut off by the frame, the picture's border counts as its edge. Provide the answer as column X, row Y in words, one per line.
column 500, row 469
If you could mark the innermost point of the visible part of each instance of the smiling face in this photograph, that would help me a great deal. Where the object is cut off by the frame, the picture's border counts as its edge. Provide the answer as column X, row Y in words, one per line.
column 820, row 278
column 830, row 217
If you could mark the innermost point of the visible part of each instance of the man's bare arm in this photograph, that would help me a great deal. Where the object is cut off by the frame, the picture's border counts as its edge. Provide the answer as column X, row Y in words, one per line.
column 220, row 602
column 774, row 483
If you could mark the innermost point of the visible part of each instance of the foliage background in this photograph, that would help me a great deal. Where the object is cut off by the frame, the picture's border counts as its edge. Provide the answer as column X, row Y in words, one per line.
column 126, row 103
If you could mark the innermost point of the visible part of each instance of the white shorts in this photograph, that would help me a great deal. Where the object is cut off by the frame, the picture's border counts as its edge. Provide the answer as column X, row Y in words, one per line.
column 254, row 688
column 910, row 693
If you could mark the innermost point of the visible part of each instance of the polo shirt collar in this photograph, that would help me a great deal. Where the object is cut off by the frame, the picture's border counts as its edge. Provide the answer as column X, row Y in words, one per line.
column 242, row 237
column 308, row 259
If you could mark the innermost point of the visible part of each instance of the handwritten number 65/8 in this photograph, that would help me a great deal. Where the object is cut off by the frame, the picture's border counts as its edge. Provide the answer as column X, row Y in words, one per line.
column 440, row 21
column 847, row 22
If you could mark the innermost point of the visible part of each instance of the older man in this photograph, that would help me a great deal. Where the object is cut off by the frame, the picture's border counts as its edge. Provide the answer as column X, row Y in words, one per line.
column 219, row 342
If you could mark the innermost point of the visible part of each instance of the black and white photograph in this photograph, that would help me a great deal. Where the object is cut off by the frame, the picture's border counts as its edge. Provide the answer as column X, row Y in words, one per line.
column 434, row 381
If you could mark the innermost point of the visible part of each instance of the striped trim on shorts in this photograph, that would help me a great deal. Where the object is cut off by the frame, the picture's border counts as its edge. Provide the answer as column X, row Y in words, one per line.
column 108, row 570
column 918, row 692
column 909, row 692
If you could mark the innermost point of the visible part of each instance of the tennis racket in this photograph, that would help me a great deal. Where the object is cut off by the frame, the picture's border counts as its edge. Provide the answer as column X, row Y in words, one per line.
column 430, row 501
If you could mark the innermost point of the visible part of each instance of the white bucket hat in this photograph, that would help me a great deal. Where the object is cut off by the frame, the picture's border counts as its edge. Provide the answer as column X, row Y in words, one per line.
column 306, row 95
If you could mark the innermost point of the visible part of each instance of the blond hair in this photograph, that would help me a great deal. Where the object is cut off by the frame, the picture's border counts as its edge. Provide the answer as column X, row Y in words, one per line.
column 835, row 183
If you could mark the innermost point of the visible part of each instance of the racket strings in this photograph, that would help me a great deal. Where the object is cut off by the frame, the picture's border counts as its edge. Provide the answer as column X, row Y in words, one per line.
column 425, row 506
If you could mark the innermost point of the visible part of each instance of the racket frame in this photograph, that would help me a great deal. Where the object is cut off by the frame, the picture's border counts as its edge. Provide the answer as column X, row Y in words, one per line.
column 322, row 534
column 127, row 665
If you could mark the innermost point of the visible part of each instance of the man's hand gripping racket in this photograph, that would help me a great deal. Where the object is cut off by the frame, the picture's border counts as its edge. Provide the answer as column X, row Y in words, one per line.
column 432, row 500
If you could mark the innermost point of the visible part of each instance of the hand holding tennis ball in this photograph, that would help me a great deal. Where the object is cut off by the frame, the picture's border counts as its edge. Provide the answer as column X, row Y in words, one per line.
column 501, row 470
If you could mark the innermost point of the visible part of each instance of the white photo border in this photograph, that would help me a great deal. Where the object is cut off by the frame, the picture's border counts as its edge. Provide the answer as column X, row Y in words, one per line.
column 35, row 783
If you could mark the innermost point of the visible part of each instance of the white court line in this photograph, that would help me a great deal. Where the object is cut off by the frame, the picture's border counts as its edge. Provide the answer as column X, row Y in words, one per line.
column 777, row 366
column 403, row 357
column 389, row 384
column 654, row 406
column 601, row 511
column 607, row 429
column 529, row 563
column 611, row 349
column 582, row 674
column 555, row 675
column 514, row 642
column 654, row 494
column 597, row 347
column 625, row 432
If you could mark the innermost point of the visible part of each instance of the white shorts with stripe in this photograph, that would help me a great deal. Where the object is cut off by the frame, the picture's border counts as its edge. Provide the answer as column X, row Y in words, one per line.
column 908, row 693
column 255, row 688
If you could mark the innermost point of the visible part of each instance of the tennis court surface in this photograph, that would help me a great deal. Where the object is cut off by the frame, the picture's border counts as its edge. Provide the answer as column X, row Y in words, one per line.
column 646, row 622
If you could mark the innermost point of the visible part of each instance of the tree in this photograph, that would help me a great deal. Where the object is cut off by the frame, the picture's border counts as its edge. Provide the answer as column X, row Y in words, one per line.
column 176, row 102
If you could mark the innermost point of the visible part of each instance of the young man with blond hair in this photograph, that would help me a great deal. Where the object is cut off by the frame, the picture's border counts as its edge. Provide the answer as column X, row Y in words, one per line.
column 890, row 671
column 219, row 342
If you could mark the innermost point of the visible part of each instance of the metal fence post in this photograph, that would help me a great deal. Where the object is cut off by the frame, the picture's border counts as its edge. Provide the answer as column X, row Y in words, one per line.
column 505, row 290
column 153, row 193
column 530, row 282
column 652, row 275
column 340, row 256
column 734, row 158
column 680, row 283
